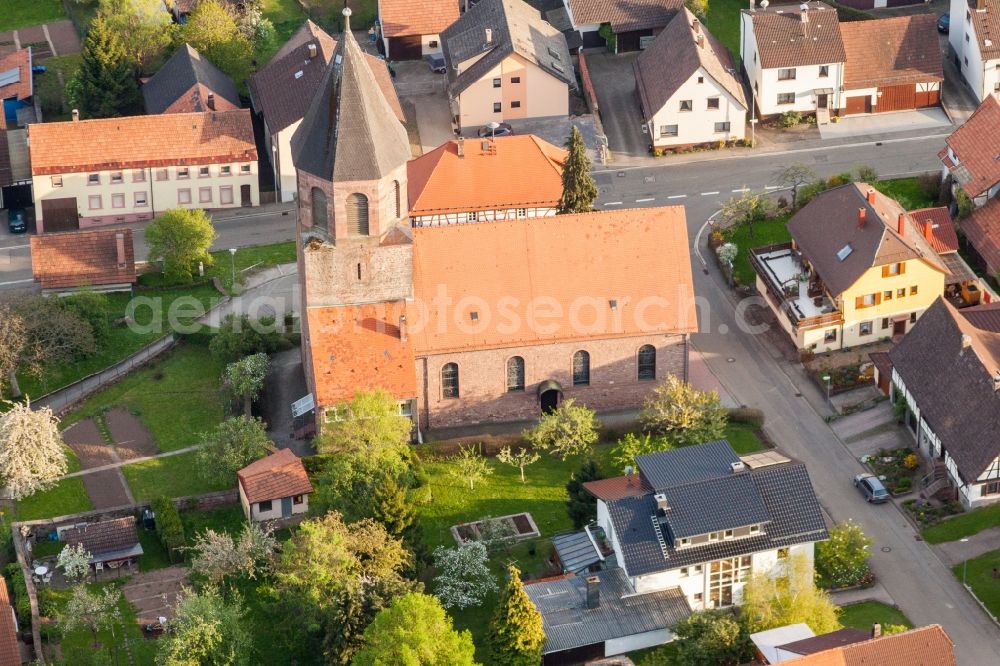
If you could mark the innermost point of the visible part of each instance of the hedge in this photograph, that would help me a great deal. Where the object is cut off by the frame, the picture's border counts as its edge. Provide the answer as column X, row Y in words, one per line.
column 169, row 527
column 753, row 417
column 19, row 591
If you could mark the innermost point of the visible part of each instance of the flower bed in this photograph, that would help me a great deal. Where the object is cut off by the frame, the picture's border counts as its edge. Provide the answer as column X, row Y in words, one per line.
column 897, row 468
column 930, row 512
column 845, row 377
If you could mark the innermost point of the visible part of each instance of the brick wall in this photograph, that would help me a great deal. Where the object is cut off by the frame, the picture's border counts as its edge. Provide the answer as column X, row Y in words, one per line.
column 483, row 395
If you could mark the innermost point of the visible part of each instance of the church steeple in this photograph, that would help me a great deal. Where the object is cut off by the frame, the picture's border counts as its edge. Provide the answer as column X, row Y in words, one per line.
column 350, row 132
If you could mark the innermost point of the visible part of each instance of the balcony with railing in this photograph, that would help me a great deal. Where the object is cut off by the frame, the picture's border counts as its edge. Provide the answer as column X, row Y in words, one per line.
column 797, row 291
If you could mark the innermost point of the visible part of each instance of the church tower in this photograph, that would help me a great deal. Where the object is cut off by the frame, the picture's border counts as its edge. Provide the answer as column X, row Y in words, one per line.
column 355, row 244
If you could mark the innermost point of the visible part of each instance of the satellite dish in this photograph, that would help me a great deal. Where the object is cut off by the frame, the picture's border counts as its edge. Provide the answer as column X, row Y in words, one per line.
column 804, row 7
column 764, row 4
column 628, row 470
column 493, row 125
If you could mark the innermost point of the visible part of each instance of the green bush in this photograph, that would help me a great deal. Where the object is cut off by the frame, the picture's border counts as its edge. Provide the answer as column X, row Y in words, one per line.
column 202, row 337
column 866, row 174
column 169, row 527
column 19, row 592
column 964, row 203
column 6, row 542
column 839, row 179
column 93, row 309
column 808, row 191
column 790, row 119
column 904, row 484
column 930, row 184
column 754, row 417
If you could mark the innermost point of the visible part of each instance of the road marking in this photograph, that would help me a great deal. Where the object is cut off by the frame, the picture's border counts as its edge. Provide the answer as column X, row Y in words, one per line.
column 772, row 187
column 613, row 203
column 708, row 194
column 645, row 200
column 677, row 196
column 742, row 189
column 14, row 247
column 4, row 284
column 697, row 239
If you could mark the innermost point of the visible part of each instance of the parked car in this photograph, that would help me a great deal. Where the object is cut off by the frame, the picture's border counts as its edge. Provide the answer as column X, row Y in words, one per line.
column 503, row 130
column 436, row 62
column 871, row 487
column 944, row 23
column 17, row 221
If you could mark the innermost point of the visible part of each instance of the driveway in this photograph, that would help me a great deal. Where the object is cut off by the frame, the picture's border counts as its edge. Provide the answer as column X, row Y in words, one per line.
column 885, row 123
column 556, row 131
column 865, row 433
column 433, row 120
column 614, row 83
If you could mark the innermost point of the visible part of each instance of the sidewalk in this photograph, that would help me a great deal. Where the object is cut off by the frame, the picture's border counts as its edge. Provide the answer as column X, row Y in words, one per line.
column 116, row 465
column 272, row 292
column 956, row 552
column 228, row 214
column 876, row 592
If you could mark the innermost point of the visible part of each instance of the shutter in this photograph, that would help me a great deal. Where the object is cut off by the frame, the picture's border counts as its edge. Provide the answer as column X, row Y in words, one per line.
column 885, row 271
column 357, row 215
column 902, row 267
column 859, row 302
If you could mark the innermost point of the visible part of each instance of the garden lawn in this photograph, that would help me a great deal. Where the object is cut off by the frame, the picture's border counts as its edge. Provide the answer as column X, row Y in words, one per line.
column 287, row 17
column 66, row 497
column 867, row 613
column 259, row 257
column 173, row 476
column 980, row 578
column 907, row 192
column 723, row 21
column 78, row 645
column 744, row 438
column 967, row 524
column 175, row 396
column 22, row 13
column 768, row 232
column 154, row 555
column 48, row 89
column 151, row 314
column 227, row 519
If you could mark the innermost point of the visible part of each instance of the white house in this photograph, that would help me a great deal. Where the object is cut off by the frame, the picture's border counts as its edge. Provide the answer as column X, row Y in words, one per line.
column 688, row 88
column 274, row 487
column 676, row 523
column 974, row 37
column 793, row 56
column 947, row 371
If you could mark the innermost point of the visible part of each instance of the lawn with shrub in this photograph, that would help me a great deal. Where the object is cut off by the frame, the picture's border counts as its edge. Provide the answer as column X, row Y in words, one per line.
column 66, row 497
column 723, row 21
column 965, row 525
column 172, row 476
column 50, row 91
column 16, row 14
column 226, row 519
column 908, row 192
column 176, row 397
column 257, row 258
column 979, row 576
column 767, row 232
column 867, row 613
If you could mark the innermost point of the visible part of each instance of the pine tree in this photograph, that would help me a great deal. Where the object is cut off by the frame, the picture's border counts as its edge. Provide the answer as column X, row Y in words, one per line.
column 105, row 85
column 579, row 188
column 390, row 507
column 516, row 634
column 582, row 506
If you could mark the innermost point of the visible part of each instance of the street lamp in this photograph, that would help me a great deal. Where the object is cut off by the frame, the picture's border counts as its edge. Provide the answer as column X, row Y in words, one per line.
column 232, row 256
column 965, row 567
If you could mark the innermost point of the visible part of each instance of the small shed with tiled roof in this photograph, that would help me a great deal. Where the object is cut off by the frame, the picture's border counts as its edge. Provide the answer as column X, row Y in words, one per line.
column 633, row 22
column 99, row 260
column 275, row 487
column 111, row 543
column 411, row 28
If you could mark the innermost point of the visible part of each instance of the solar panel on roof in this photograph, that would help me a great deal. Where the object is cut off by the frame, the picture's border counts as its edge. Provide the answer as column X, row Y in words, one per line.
column 10, row 76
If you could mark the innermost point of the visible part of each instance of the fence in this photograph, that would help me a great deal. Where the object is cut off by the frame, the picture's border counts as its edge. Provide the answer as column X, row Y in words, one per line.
column 67, row 396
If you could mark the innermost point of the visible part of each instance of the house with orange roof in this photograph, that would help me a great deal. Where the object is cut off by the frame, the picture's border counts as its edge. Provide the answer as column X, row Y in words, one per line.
column 463, row 323
column 924, row 646
column 88, row 173
column 411, row 29
column 485, row 180
column 274, row 487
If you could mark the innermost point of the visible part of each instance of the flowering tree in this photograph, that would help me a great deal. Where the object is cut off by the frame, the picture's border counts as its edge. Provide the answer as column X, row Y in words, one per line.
column 470, row 465
column 74, row 561
column 464, row 577
column 32, row 454
column 568, row 430
column 684, row 414
column 91, row 610
column 246, row 378
column 727, row 253
column 217, row 555
column 841, row 560
column 520, row 460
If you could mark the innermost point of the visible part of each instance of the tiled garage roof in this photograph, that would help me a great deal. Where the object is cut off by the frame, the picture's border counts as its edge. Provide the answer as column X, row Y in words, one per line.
column 625, row 15
column 892, row 51
column 401, row 18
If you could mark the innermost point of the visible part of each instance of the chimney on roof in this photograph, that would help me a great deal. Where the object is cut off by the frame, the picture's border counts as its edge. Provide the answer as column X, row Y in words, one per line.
column 901, row 225
column 402, row 328
column 696, row 26
column 312, row 50
column 966, row 340
column 699, row 39
column 928, row 230
column 876, row 630
column 460, row 146
column 593, row 592
column 120, row 248
column 211, row 101
column 489, row 35
column 737, row 466
column 804, row 12
column 861, row 217
column 661, row 502
column 996, row 380
column 871, row 196
column 980, row 5
column 76, row 115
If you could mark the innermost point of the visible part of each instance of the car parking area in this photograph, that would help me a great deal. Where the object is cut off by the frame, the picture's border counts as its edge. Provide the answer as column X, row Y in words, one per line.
column 614, row 83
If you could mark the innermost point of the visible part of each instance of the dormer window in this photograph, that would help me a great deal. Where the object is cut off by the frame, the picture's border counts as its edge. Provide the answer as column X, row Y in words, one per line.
column 683, row 542
column 728, row 534
column 713, row 536
column 755, row 529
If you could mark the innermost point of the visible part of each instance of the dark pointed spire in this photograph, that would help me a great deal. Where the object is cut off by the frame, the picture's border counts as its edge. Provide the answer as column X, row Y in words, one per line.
column 349, row 132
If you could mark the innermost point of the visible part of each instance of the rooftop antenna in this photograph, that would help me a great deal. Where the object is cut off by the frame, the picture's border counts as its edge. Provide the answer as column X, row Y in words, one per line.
column 494, row 126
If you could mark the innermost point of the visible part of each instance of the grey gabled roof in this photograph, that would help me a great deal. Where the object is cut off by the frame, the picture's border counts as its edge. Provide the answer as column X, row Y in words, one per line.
column 349, row 132
column 570, row 624
column 576, row 551
column 516, row 27
column 686, row 464
column 953, row 384
column 713, row 505
column 185, row 69
column 792, row 516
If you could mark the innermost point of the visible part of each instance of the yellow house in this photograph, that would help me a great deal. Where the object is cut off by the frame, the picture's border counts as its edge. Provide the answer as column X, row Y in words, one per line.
column 859, row 269
column 88, row 173
column 506, row 63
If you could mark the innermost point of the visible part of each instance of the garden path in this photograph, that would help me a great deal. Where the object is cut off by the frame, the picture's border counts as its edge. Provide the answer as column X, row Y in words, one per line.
column 85, row 472
column 105, row 485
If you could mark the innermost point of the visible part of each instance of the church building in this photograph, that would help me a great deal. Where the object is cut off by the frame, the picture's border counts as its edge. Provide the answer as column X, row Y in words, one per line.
column 488, row 321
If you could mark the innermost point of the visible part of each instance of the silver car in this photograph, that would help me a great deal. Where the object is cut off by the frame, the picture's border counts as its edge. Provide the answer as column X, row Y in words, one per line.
column 871, row 487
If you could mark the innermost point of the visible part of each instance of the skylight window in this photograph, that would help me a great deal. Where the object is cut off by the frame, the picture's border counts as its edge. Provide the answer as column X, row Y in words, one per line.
column 844, row 252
